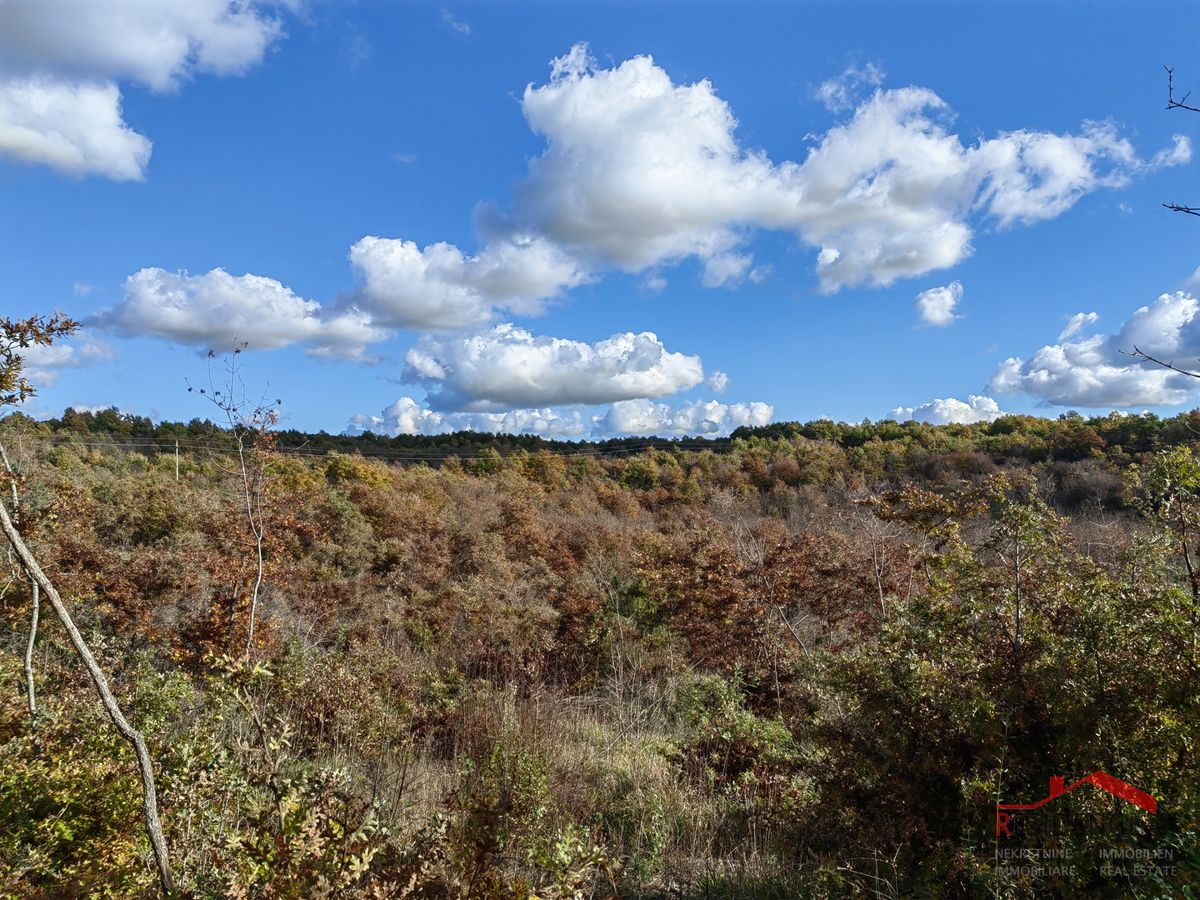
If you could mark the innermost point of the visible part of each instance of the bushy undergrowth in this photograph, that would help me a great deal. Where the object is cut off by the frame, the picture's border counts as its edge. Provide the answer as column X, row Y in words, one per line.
column 789, row 670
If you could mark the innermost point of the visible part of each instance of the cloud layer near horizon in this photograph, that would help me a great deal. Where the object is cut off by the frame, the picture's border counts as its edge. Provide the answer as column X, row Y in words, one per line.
column 46, row 364
column 950, row 411
column 1098, row 372
column 510, row 368
column 627, row 417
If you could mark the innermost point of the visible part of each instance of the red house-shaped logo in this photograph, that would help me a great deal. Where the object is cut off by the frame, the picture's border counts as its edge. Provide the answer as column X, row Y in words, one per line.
column 1102, row 780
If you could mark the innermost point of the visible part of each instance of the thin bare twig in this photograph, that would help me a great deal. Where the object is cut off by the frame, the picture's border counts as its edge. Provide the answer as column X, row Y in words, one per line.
column 1172, row 103
column 1166, row 365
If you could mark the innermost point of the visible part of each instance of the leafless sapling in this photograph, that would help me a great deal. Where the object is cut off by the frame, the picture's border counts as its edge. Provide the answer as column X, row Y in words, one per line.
column 251, row 424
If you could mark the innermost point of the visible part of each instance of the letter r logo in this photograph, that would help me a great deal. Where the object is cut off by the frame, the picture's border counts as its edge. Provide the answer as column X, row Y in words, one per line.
column 1002, row 823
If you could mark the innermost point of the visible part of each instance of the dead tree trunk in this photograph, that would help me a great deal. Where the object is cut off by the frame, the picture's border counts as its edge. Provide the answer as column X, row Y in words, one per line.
column 145, row 764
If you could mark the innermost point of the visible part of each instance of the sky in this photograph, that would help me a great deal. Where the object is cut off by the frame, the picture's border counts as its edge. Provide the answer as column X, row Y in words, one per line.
column 586, row 220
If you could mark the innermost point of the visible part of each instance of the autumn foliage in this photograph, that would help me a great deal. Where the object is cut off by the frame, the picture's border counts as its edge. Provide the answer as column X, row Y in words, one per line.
column 806, row 662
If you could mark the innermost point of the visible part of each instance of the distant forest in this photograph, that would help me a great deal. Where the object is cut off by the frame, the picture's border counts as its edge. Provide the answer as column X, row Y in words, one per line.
column 1070, row 437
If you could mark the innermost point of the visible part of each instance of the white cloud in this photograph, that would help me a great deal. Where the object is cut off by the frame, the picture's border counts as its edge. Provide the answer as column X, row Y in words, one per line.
column 707, row 418
column 1193, row 281
column 73, row 126
column 1178, row 154
column 629, row 417
column 214, row 309
column 950, row 411
column 890, row 193
column 717, row 382
column 440, row 288
column 1077, row 322
column 406, row 416
column 463, row 28
column 1030, row 176
column 45, row 365
column 60, row 61
column 654, row 283
column 725, row 269
column 937, row 305
column 1093, row 372
column 508, row 367
column 154, row 42
column 844, row 92
column 640, row 172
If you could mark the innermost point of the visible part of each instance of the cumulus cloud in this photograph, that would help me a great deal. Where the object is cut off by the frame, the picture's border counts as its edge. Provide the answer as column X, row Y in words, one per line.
column 936, row 305
column 440, row 288
column 718, row 382
column 45, row 365
column 1077, row 323
column 640, row 172
column 844, row 92
column 60, row 61
column 75, row 127
column 1031, row 176
column 155, row 42
column 890, row 193
column 950, row 411
column 1094, row 372
column 707, row 418
column 406, row 416
column 508, row 367
column 214, row 309
column 627, row 417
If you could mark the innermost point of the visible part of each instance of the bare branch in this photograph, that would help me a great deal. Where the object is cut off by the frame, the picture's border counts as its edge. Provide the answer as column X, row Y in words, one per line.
column 1166, row 365
column 1172, row 103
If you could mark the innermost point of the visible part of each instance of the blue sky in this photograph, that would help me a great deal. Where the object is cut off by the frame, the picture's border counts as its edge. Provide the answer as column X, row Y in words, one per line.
column 603, row 218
